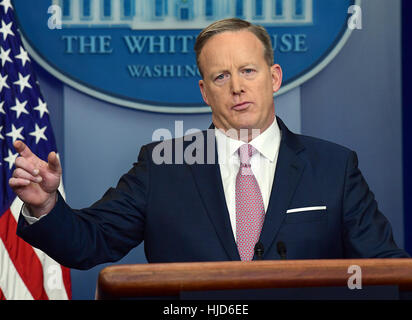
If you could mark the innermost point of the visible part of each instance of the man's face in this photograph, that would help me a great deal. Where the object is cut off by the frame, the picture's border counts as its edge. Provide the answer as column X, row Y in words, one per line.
column 237, row 82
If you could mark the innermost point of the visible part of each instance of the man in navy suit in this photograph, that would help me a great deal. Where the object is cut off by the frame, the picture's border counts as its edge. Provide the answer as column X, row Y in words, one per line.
column 254, row 184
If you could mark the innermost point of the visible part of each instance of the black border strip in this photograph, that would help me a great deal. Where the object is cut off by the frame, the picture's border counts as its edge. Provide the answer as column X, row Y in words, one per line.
column 407, row 121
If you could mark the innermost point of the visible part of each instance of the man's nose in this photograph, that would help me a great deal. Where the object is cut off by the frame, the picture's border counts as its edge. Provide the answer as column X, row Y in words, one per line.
column 236, row 85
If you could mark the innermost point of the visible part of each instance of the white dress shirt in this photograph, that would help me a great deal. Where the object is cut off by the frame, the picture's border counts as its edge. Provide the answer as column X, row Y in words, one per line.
column 263, row 164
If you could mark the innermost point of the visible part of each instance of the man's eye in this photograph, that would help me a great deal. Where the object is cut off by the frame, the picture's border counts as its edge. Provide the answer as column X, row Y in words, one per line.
column 248, row 71
column 221, row 77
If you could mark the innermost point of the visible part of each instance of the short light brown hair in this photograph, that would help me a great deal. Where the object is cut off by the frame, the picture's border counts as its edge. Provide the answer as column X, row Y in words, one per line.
column 234, row 24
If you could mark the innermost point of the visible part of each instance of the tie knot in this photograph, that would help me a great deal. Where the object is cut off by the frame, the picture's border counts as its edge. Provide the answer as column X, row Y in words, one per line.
column 246, row 151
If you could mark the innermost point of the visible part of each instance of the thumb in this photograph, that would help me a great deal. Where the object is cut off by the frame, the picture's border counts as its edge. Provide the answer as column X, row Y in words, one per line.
column 54, row 163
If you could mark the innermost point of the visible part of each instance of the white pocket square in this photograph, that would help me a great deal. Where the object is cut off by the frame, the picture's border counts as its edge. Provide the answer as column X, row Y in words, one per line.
column 306, row 209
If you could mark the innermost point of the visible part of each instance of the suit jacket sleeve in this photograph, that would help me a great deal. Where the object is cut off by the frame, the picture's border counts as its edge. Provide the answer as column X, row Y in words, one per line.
column 367, row 233
column 105, row 232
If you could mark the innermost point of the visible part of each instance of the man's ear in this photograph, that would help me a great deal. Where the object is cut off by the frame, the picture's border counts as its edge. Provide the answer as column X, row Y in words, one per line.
column 276, row 72
column 203, row 91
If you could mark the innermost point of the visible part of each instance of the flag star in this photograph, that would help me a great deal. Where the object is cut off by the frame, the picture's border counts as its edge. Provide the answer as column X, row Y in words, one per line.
column 42, row 108
column 15, row 133
column 1, row 107
column 39, row 133
column 23, row 82
column 4, row 56
column 6, row 29
column 23, row 56
column 19, row 107
column 6, row 5
column 1, row 136
column 3, row 82
column 11, row 159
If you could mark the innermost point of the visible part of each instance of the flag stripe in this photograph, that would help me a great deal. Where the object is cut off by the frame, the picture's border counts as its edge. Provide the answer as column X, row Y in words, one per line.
column 49, row 266
column 22, row 255
column 10, row 282
column 2, row 297
column 15, row 208
column 54, row 282
column 67, row 282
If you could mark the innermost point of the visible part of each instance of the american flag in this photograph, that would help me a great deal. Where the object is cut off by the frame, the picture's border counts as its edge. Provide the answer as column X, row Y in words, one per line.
column 25, row 272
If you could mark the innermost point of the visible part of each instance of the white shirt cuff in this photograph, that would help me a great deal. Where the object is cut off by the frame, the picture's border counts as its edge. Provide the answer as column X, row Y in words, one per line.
column 27, row 215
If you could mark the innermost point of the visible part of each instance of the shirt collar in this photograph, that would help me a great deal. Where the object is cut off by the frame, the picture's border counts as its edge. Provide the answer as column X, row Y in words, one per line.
column 267, row 143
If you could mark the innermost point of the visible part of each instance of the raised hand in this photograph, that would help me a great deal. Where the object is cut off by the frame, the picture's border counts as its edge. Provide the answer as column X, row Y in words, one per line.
column 35, row 181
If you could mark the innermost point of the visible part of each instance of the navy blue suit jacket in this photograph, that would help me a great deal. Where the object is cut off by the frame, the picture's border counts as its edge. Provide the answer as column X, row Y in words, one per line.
column 180, row 213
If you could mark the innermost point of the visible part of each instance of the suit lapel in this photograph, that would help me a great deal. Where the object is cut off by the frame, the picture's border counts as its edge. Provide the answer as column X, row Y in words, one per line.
column 289, row 169
column 209, row 183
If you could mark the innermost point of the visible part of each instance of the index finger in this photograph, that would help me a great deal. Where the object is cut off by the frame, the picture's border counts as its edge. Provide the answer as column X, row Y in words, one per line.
column 22, row 149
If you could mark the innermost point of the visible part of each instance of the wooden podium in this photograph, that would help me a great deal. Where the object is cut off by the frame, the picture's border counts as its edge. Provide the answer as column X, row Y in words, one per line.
column 170, row 279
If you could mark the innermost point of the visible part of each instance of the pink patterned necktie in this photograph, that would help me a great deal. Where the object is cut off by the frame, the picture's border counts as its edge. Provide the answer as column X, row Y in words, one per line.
column 250, row 211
